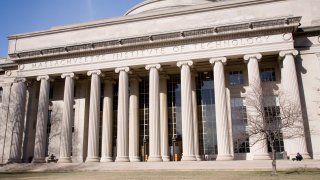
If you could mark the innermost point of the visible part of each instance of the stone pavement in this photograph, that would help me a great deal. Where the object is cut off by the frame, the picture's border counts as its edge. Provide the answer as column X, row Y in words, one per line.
column 257, row 165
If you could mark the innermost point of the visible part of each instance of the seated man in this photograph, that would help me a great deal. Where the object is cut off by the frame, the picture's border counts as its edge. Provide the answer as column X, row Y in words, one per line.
column 299, row 157
column 52, row 158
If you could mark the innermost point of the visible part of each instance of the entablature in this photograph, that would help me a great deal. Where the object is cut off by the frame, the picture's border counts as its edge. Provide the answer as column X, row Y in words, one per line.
column 269, row 26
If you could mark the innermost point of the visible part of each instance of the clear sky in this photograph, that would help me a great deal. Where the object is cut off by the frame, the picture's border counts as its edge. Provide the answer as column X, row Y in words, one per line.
column 22, row 16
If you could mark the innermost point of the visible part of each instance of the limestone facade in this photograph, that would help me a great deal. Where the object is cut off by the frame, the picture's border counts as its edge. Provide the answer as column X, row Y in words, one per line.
column 161, row 83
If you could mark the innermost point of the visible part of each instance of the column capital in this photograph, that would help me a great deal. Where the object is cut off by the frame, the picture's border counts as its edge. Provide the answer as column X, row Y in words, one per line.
column 126, row 69
column 149, row 66
column 247, row 57
column 98, row 72
column 17, row 80
column 71, row 75
column 223, row 60
column 45, row 77
column 188, row 63
column 288, row 52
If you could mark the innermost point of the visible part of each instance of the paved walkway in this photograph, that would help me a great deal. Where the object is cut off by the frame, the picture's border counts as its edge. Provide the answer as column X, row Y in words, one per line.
column 262, row 165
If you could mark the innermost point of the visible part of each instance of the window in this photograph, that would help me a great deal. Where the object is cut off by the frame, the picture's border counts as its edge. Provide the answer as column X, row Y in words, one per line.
column 235, row 78
column 1, row 94
column 144, row 118
column 273, row 119
column 51, row 93
column 208, row 147
column 268, row 74
column 239, row 124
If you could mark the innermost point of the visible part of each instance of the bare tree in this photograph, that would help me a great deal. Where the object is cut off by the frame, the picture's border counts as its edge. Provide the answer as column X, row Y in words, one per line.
column 54, row 128
column 272, row 119
column 317, row 89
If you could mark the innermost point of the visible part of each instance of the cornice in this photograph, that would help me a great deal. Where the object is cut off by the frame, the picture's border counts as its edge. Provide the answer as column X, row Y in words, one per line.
column 145, row 16
column 6, row 63
column 285, row 23
column 308, row 31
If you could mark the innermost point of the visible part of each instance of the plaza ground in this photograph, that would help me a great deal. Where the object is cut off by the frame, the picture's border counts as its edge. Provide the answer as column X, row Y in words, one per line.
column 164, row 170
column 167, row 174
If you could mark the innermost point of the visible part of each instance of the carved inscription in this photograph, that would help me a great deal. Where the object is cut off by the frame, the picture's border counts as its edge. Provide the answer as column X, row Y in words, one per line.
column 152, row 52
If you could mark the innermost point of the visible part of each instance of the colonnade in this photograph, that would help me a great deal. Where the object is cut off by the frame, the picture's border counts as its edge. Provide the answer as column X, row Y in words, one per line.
column 128, row 122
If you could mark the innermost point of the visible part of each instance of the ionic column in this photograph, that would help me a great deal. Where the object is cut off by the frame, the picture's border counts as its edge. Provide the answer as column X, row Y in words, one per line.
column 66, row 124
column 18, row 111
column 154, row 113
column 164, row 119
column 42, row 120
column 134, row 120
column 223, row 140
column 94, row 116
column 123, row 116
column 260, row 147
column 290, row 88
column 195, row 117
column 187, row 112
column 107, row 122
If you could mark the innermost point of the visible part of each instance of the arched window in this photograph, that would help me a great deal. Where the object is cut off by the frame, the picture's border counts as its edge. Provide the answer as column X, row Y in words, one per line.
column 1, row 94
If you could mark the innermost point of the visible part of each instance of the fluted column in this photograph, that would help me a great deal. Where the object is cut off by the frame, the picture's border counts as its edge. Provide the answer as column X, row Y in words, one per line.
column 66, row 124
column 290, row 88
column 107, row 122
column 123, row 115
column 223, row 140
column 164, row 119
column 19, row 99
column 195, row 117
column 94, row 116
column 42, row 120
column 134, row 120
column 187, row 112
column 154, row 113
column 260, row 147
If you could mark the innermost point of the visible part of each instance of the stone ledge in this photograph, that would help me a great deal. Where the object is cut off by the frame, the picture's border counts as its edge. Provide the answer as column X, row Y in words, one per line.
column 238, row 165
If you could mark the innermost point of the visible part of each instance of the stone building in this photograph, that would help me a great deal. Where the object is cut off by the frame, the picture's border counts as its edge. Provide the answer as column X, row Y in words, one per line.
column 165, row 82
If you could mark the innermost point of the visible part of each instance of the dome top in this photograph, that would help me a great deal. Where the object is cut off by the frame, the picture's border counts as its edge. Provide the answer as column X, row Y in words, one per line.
column 157, row 5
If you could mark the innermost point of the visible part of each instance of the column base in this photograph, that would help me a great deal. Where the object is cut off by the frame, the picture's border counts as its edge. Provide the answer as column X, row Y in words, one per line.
column 122, row 159
column 165, row 158
column 14, row 161
column 262, row 156
column 65, row 160
column 106, row 159
column 224, row 157
column 305, row 155
column 92, row 159
column 188, row 158
column 154, row 159
column 198, row 157
column 40, row 160
column 134, row 159
column 316, row 156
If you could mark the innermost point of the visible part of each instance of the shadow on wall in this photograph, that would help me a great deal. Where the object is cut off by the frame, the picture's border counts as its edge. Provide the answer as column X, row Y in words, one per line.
column 300, row 71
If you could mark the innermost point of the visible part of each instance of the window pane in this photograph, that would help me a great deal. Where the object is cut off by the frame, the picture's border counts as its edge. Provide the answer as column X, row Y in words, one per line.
column 268, row 74
column 235, row 78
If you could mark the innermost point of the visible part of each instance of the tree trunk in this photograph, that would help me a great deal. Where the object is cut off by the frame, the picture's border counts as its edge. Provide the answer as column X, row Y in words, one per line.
column 274, row 162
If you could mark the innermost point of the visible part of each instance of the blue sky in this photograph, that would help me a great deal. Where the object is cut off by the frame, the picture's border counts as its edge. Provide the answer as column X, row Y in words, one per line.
column 22, row 16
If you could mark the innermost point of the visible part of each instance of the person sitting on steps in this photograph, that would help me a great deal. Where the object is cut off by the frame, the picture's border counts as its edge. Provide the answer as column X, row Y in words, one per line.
column 299, row 157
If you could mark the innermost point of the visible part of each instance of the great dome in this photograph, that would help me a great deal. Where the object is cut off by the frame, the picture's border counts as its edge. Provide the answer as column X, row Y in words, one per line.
column 157, row 5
